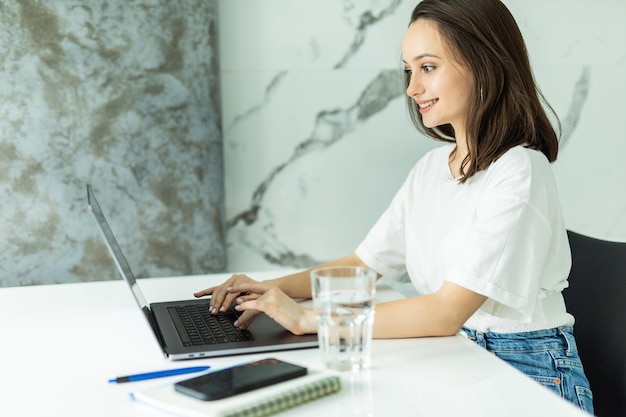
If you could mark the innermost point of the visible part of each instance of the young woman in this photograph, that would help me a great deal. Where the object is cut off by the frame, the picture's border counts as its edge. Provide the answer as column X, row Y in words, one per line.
column 477, row 224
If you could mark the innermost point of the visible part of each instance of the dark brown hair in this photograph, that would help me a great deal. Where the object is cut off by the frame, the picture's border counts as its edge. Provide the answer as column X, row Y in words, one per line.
column 508, row 107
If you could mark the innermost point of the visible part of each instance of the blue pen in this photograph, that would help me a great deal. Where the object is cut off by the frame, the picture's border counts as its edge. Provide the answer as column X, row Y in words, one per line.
column 158, row 374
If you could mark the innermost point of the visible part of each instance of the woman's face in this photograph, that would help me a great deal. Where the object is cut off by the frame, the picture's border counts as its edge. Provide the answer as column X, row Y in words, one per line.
column 440, row 86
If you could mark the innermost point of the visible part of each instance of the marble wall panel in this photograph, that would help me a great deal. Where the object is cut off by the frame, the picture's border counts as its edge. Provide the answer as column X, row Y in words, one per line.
column 123, row 95
column 317, row 139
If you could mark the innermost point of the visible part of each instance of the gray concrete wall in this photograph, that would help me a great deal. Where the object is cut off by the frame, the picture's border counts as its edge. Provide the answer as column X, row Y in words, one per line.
column 123, row 95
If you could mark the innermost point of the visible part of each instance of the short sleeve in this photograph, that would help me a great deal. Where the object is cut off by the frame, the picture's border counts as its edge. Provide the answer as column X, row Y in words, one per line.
column 506, row 250
column 384, row 246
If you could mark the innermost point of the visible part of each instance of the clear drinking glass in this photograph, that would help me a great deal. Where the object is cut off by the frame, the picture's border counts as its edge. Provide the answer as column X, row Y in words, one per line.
column 343, row 299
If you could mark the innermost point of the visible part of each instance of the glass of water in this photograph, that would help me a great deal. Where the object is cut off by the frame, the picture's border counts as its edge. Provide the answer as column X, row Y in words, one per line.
column 343, row 299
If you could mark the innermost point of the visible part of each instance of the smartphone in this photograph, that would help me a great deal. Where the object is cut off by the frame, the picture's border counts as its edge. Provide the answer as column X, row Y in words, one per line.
column 239, row 378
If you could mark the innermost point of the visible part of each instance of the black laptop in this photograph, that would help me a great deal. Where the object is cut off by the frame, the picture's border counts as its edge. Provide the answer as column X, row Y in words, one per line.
column 185, row 329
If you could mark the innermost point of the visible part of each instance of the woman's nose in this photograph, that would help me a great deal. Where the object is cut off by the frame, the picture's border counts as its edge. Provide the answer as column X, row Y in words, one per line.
column 415, row 87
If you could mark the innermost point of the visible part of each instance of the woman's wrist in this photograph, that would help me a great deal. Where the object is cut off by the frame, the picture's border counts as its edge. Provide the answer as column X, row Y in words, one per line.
column 295, row 286
column 308, row 322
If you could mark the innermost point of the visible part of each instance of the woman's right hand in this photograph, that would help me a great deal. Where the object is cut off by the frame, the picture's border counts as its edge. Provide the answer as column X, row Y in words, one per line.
column 269, row 299
column 221, row 297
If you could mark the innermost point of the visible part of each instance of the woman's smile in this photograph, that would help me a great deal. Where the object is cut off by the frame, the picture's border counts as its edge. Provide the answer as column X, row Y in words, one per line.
column 425, row 105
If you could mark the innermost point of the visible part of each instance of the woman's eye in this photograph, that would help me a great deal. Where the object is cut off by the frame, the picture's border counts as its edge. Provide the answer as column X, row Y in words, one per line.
column 428, row 68
column 407, row 71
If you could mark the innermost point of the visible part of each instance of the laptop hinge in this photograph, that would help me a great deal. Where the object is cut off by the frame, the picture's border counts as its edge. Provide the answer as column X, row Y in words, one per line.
column 155, row 327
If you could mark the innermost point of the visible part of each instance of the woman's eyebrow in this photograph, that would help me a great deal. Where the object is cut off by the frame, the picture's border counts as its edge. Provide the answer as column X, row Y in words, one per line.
column 421, row 56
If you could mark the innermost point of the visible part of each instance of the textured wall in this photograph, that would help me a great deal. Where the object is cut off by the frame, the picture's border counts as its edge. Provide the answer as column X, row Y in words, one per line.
column 123, row 95
column 317, row 139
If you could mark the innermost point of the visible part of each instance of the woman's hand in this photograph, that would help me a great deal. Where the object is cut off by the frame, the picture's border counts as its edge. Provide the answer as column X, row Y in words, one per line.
column 276, row 304
column 221, row 297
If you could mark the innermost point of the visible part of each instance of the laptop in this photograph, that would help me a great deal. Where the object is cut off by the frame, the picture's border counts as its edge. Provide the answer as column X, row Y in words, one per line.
column 185, row 329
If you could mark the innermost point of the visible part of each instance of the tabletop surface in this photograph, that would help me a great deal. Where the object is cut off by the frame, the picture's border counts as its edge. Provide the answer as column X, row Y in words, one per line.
column 62, row 343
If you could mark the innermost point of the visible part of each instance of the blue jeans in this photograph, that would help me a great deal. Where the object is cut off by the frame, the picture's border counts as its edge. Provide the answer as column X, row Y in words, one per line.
column 549, row 356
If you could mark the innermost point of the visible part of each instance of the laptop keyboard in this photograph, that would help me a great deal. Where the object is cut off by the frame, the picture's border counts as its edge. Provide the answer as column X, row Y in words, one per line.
column 196, row 326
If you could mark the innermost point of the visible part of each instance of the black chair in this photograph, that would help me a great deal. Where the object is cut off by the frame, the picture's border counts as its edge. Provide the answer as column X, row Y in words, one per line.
column 597, row 299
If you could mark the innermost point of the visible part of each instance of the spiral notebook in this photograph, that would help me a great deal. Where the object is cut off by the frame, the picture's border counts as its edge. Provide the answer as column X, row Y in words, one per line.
column 258, row 403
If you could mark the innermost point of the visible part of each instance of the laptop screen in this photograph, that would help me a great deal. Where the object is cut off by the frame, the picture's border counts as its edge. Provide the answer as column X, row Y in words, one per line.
column 114, row 248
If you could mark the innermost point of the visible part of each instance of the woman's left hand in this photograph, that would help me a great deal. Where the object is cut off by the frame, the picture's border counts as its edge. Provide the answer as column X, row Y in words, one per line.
column 274, row 303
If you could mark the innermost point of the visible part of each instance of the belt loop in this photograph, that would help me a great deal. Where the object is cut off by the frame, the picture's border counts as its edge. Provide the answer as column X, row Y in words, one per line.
column 569, row 339
column 467, row 334
column 481, row 339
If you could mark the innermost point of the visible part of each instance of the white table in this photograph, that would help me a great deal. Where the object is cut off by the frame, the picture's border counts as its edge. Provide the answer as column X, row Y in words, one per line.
column 61, row 343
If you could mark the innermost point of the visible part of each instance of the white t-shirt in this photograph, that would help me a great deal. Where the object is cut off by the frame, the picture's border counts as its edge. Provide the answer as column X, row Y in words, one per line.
column 500, row 234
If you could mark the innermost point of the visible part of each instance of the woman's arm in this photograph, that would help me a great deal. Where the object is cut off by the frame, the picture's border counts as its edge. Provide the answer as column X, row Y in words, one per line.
column 298, row 285
column 442, row 313
column 439, row 314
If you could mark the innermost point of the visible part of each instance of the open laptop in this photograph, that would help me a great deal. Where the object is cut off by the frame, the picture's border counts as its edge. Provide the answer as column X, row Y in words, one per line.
column 178, row 325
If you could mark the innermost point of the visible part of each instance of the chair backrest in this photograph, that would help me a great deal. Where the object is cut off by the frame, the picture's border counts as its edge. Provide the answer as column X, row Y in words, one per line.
column 596, row 297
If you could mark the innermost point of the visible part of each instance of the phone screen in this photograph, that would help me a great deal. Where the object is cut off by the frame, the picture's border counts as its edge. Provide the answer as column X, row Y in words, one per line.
column 240, row 378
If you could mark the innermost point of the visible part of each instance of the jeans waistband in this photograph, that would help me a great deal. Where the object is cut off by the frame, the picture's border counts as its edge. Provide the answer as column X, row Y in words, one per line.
column 558, row 337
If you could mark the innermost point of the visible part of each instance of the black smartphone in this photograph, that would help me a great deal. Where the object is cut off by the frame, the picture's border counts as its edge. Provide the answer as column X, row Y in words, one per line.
column 239, row 378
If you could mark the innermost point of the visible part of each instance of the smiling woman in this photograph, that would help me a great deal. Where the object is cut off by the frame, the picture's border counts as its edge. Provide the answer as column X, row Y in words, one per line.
column 501, row 105
column 440, row 86
column 477, row 225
